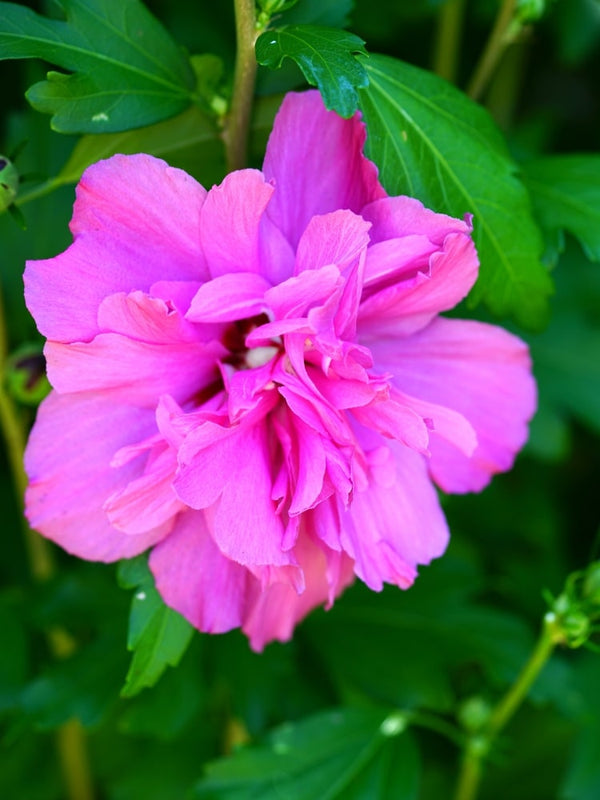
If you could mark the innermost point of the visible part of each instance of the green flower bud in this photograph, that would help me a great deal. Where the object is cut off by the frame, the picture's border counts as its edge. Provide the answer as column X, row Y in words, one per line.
column 474, row 714
column 576, row 628
column 9, row 182
column 26, row 375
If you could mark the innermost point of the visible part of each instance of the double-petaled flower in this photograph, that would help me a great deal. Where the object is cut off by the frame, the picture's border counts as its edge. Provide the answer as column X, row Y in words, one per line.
column 255, row 381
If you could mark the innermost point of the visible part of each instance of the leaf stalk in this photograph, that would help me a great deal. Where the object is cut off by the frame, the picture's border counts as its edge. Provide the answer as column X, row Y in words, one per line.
column 504, row 33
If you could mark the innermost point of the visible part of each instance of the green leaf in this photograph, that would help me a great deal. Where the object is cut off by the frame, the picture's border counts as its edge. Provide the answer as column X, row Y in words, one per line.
column 327, row 58
column 189, row 140
column 565, row 356
column 127, row 71
column 84, row 686
column 431, row 142
column 350, row 754
column 565, row 192
column 158, row 635
column 166, row 709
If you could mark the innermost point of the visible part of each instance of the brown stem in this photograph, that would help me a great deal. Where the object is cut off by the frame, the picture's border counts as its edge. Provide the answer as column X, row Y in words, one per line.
column 237, row 125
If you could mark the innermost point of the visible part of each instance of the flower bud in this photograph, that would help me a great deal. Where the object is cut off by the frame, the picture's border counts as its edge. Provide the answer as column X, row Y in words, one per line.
column 26, row 375
column 474, row 713
column 9, row 182
column 576, row 628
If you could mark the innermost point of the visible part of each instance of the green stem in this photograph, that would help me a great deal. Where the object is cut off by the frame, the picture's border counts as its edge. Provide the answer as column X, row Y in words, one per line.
column 237, row 125
column 470, row 775
column 480, row 743
column 549, row 637
column 448, row 39
column 70, row 737
column 503, row 33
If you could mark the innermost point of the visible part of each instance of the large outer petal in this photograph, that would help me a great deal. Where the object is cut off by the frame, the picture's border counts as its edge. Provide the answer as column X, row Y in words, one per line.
column 401, row 308
column 315, row 159
column 194, row 578
column 273, row 613
column 394, row 525
column 234, row 474
column 68, row 462
column 155, row 351
column 405, row 216
column 136, row 221
column 479, row 370
column 230, row 223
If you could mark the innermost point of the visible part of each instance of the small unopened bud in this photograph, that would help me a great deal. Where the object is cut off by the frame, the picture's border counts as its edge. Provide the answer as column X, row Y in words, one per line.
column 9, row 182
column 26, row 375
column 474, row 714
column 576, row 628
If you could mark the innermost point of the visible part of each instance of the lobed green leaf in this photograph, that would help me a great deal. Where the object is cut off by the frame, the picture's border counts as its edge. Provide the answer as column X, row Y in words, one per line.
column 158, row 635
column 327, row 58
column 565, row 191
column 126, row 69
column 431, row 142
column 345, row 753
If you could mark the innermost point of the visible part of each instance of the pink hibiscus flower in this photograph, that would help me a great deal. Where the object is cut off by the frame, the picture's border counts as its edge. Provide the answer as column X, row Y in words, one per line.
column 255, row 383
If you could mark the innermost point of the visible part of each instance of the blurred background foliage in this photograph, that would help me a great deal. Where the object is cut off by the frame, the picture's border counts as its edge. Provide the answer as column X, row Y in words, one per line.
column 443, row 650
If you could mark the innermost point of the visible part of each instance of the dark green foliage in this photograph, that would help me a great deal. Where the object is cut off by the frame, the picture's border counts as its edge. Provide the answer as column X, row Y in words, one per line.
column 347, row 753
column 127, row 71
column 566, row 197
column 327, row 58
column 414, row 118
column 158, row 636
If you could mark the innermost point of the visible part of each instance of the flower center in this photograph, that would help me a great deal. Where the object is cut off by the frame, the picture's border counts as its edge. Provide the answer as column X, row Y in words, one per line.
column 242, row 357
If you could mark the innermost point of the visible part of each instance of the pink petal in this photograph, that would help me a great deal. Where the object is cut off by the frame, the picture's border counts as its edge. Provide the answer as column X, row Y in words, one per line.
column 404, row 216
column 234, row 473
column 395, row 420
column 338, row 238
column 315, row 159
column 131, row 371
column 68, row 460
column 254, row 537
column 478, row 370
column 194, row 578
column 397, row 259
column 178, row 294
column 295, row 296
column 274, row 613
column 229, row 297
column 149, row 319
column 136, row 217
column 230, row 221
column 150, row 500
column 154, row 352
column 390, row 529
column 403, row 308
